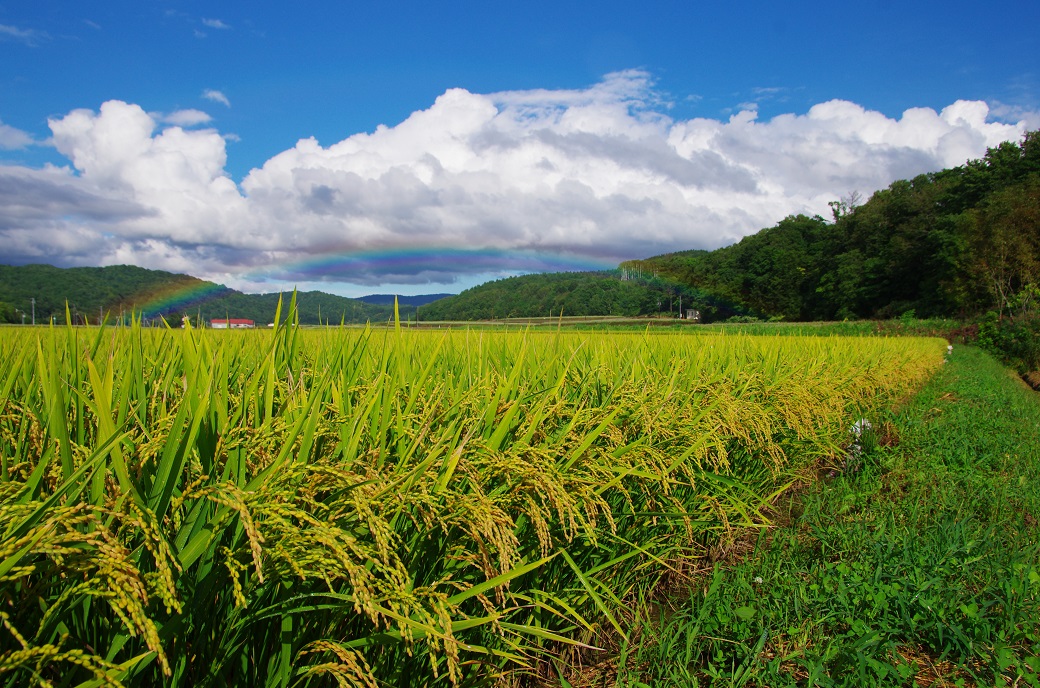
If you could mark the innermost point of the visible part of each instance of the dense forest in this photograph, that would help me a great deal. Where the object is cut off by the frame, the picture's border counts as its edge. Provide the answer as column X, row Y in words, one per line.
column 117, row 291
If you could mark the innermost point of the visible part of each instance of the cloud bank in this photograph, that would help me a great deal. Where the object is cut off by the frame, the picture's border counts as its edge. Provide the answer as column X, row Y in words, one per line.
column 476, row 184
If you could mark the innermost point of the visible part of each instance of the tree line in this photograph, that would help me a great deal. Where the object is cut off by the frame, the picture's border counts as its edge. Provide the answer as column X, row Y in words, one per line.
column 608, row 292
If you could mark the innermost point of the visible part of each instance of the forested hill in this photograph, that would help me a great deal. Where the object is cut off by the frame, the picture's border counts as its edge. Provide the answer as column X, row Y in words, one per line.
column 570, row 293
column 115, row 291
column 956, row 243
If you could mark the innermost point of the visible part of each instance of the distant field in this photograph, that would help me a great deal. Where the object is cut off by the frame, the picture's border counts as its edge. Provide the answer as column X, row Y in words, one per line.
column 928, row 327
column 284, row 507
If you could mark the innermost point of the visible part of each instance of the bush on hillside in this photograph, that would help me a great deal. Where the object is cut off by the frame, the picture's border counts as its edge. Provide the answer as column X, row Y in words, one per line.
column 1015, row 340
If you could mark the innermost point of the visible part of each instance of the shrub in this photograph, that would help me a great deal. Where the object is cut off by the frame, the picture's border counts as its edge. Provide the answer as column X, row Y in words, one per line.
column 1016, row 341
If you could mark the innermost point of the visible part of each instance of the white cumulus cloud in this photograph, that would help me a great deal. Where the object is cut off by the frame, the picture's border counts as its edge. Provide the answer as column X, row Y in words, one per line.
column 590, row 175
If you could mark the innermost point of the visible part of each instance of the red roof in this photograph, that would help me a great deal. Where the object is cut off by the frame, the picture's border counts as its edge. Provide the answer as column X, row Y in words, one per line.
column 233, row 321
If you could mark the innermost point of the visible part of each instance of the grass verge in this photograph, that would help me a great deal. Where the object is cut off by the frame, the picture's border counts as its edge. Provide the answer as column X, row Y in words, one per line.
column 918, row 564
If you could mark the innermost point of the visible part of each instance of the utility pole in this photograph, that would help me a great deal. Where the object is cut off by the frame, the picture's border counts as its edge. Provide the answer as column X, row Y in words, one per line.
column 34, row 309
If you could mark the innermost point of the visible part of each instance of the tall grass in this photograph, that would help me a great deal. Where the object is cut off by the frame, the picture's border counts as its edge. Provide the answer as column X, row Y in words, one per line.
column 383, row 506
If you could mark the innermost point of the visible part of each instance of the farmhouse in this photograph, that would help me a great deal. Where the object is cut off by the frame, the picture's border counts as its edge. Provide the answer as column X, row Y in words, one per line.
column 231, row 323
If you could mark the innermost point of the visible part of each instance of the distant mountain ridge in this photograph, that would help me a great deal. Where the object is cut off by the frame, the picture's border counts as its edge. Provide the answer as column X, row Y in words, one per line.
column 609, row 292
column 115, row 292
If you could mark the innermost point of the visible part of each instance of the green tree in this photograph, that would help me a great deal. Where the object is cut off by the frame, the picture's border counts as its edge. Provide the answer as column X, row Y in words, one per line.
column 1005, row 245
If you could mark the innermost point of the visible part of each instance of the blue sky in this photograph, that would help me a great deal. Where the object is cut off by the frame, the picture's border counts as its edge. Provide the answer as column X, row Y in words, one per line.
column 566, row 136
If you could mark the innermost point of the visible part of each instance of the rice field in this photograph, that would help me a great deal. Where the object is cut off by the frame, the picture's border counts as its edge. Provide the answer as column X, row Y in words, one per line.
column 386, row 506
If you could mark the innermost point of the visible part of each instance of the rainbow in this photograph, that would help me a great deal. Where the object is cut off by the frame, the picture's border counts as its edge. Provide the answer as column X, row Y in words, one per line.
column 174, row 297
column 391, row 264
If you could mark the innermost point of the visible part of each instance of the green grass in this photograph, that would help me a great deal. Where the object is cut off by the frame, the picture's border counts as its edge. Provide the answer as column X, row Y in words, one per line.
column 919, row 560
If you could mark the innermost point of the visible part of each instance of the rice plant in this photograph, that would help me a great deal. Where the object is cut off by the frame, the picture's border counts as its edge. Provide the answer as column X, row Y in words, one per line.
column 384, row 506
